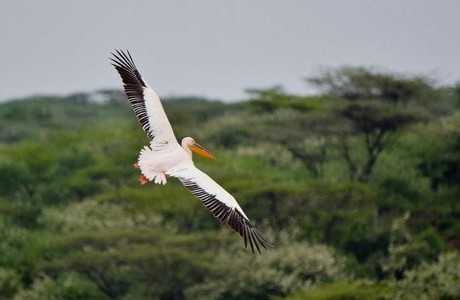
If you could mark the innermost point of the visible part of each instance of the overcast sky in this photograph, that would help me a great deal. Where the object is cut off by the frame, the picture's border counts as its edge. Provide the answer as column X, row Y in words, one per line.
column 219, row 48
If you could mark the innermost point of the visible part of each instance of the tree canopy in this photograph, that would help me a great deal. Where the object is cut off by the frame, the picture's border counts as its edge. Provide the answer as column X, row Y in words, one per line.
column 357, row 186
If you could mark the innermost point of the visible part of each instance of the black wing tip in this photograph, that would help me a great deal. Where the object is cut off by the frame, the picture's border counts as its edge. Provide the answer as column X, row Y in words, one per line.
column 232, row 217
column 133, row 85
column 123, row 58
column 251, row 235
column 120, row 53
column 124, row 64
column 257, row 241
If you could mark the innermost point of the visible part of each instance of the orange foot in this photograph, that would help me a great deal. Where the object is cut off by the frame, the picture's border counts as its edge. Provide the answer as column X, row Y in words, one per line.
column 136, row 165
column 143, row 180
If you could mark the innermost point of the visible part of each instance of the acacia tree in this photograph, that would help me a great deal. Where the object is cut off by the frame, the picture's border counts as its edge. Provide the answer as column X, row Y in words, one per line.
column 379, row 125
column 373, row 105
column 377, row 105
column 355, row 83
column 312, row 142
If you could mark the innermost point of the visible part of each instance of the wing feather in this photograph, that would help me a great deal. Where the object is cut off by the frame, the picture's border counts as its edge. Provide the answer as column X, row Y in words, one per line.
column 145, row 102
column 222, row 205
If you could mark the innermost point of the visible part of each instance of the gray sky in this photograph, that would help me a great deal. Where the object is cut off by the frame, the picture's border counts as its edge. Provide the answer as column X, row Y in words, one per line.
column 219, row 48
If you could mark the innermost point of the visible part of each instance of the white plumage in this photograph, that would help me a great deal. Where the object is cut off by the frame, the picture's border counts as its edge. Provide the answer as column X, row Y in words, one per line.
column 165, row 157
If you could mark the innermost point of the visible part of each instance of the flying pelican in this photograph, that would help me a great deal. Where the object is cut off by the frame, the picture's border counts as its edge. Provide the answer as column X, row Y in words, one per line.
column 165, row 157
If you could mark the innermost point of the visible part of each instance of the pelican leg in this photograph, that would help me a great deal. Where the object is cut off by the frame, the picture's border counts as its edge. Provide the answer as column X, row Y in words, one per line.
column 143, row 180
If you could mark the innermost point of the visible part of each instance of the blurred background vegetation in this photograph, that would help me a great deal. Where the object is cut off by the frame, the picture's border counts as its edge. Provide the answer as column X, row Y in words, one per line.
column 358, row 187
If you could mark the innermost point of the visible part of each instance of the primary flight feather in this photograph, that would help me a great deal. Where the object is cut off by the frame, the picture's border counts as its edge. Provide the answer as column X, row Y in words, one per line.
column 165, row 157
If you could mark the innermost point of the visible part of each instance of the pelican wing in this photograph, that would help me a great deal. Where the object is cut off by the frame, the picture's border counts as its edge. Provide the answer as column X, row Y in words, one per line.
column 143, row 99
column 221, row 204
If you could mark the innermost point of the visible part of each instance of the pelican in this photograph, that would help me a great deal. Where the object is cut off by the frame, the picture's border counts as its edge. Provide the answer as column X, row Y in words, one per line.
column 165, row 157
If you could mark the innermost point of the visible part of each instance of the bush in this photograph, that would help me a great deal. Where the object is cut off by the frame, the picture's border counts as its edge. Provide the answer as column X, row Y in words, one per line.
column 13, row 178
column 69, row 286
column 280, row 271
column 10, row 282
column 437, row 280
column 345, row 290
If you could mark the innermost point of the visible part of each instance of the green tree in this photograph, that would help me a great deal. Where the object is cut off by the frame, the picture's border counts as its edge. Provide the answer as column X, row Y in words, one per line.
column 355, row 83
column 441, row 162
column 379, row 124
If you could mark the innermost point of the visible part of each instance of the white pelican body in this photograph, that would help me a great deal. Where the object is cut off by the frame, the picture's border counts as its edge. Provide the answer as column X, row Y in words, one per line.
column 165, row 157
column 154, row 165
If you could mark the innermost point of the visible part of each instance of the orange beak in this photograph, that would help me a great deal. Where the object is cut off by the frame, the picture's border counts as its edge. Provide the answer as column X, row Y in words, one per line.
column 202, row 151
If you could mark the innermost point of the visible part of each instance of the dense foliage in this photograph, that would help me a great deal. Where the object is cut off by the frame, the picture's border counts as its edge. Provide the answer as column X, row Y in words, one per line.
column 356, row 186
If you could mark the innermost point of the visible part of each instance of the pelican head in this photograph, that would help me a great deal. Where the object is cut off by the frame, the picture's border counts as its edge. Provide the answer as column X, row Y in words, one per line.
column 189, row 144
